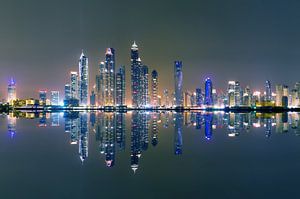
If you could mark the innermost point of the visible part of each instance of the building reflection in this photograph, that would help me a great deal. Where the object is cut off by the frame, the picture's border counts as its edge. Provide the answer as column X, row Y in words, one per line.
column 178, row 125
column 11, row 125
column 110, row 129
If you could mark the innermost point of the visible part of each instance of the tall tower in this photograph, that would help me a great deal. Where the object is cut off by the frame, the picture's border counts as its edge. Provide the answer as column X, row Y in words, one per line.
column 279, row 95
column 74, row 85
column 83, row 80
column 268, row 91
column 135, row 76
column 178, row 79
column 231, row 93
column 100, row 87
column 120, row 87
column 208, row 92
column 55, row 98
column 11, row 91
column 109, row 77
column 154, row 88
column 43, row 97
column 237, row 93
column 67, row 91
column 144, row 85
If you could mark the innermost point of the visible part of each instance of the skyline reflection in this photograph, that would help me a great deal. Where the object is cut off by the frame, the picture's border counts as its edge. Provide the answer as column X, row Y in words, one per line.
column 143, row 133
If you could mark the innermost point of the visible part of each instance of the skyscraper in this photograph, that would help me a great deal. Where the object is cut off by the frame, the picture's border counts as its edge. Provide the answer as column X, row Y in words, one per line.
column 144, row 86
column 100, row 87
column 208, row 92
column 43, row 97
column 268, row 97
column 55, row 98
column 67, row 91
column 166, row 98
column 231, row 93
column 154, row 88
column 199, row 98
column 11, row 91
column 120, row 87
column 83, row 80
column 237, row 93
column 279, row 94
column 178, row 79
column 139, row 79
column 74, row 85
column 135, row 76
column 109, row 77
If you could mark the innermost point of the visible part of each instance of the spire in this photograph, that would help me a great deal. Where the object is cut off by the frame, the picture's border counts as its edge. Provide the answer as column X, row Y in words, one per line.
column 134, row 46
column 82, row 54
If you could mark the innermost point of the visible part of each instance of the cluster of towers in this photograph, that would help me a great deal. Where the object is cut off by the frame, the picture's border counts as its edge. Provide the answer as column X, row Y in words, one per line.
column 77, row 90
column 110, row 84
column 140, row 82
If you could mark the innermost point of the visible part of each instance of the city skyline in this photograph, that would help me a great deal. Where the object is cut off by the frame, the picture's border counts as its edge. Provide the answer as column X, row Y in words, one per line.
column 208, row 37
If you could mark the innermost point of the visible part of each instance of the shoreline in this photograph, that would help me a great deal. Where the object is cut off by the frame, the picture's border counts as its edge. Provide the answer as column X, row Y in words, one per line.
column 177, row 109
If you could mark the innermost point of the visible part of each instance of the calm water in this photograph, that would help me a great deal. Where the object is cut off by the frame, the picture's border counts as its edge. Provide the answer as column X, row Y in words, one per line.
column 149, row 155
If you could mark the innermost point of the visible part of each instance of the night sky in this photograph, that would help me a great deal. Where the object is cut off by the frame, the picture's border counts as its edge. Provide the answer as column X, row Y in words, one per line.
column 249, row 41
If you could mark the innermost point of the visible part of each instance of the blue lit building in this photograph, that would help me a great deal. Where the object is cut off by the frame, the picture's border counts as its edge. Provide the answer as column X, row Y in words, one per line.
column 83, row 80
column 178, row 79
column 11, row 91
column 154, row 88
column 208, row 92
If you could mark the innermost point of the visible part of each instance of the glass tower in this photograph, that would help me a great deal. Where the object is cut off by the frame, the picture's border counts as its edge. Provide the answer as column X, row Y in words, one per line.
column 11, row 90
column 154, row 88
column 208, row 92
column 109, row 77
column 83, row 80
column 120, row 87
column 178, row 77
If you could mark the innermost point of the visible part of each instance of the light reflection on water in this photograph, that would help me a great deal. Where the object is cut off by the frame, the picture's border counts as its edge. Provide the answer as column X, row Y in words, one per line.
column 149, row 155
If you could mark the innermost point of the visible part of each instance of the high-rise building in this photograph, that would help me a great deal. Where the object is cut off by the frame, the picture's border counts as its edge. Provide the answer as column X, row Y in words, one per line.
column 285, row 97
column 145, row 86
column 199, row 97
column 295, row 98
column 231, row 93
column 178, row 79
column 237, row 93
column 247, row 97
column 154, row 88
column 43, row 97
column 67, row 91
column 83, row 80
column 74, row 85
column 139, row 79
column 109, row 77
column 268, row 96
column 136, row 87
column 55, row 98
column 208, row 92
column 279, row 94
column 100, row 86
column 120, row 87
column 11, row 91
column 166, row 102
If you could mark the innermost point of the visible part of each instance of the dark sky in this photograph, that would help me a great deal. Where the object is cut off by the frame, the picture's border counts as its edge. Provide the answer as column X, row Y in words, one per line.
column 249, row 41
